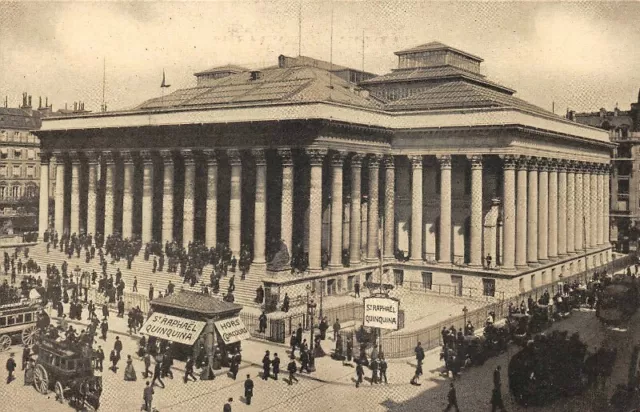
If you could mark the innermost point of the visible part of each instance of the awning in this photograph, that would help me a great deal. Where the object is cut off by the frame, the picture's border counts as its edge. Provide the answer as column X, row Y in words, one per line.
column 232, row 330
column 173, row 328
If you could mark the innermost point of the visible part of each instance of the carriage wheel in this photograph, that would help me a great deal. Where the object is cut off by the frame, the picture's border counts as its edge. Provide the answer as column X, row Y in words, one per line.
column 5, row 342
column 59, row 392
column 28, row 335
column 41, row 380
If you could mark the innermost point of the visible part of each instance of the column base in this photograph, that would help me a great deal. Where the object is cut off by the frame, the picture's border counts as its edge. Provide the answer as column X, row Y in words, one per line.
column 315, row 271
column 356, row 264
column 562, row 255
column 416, row 261
column 507, row 269
column 259, row 265
column 521, row 267
column 475, row 266
column 335, row 266
column 543, row 261
column 444, row 262
column 533, row 264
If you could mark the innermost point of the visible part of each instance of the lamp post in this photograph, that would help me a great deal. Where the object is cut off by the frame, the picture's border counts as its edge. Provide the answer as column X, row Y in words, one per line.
column 311, row 306
column 465, row 310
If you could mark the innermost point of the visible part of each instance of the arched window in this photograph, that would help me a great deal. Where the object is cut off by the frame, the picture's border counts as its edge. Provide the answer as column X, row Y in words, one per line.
column 3, row 192
column 15, row 191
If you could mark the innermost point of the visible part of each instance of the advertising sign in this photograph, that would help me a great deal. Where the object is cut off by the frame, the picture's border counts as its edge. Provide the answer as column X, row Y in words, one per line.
column 232, row 330
column 173, row 328
column 381, row 313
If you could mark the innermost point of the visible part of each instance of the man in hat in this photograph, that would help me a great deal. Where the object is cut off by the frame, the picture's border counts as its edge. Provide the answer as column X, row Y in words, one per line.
column 148, row 397
column 266, row 366
column 227, row 406
column 11, row 366
column 248, row 389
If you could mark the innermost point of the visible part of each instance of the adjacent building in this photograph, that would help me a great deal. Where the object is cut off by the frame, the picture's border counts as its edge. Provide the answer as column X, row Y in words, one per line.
column 623, row 127
column 451, row 165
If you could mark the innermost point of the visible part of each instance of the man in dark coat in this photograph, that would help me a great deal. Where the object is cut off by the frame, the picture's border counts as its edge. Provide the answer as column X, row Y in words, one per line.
column 266, row 365
column 189, row 370
column 299, row 335
column 496, row 377
column 157, row 372
column 148, row 397
column 248, row 389
column 114, row 358
column 496, row 400
column 11, row 366
column 227, row 406
column 99, row 358
column 356, row 289
column 452, row 398
column 359, row 374
column 262, row 326
column 26, row 354
column 117, row 346
column 150, row 291
column 285, row 303
column 292, row 368
column 104, row 327
column 275, row 365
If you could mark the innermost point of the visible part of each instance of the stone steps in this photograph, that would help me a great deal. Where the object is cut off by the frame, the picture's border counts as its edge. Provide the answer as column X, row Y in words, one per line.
column 143, row 271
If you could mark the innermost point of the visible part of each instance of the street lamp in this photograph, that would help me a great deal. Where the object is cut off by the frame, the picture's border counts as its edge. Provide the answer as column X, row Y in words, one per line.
column 465, row 310
column 311, row 306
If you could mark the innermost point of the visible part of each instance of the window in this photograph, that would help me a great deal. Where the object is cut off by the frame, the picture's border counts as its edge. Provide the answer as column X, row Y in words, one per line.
column 31, row 154
column 3, row 135
column 3, row 321
column 17, row 153
column 398, row 276
column 4, row 153
column 28, row 317
column 3, row 171
column 427, row 280
column 16, row 170
column 12, row 320
column 533, row 281
column 521, row 285
column 3, row 192
column 15, row 191
column 20, row 318
column 489, row 287
column 31, row 171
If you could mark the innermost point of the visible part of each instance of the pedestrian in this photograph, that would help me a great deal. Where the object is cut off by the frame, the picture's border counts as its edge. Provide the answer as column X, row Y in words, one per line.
column 148, row 396
column 453, row 399
column 336, row 329
column 99, row 358
column 234, row 366
column 105, row 311
column 117, row 345
column 356, row 289
column 419, row 353
column 496, row 400
column 374, row 370
column 248, row 389
column 266, row 365
column 349, row 349
column 417, row 374
column 114, row 358
column 383, row 369
column 157, row 372
column 359, row 373
column 299, row 336
column 129, row 371
column 135, row 284
column 496, row 377
column 304, row 361
column 262, row 326
column 227, row 406
column 11, row 366
column 292, row 368
column 26, row 354
column 275, row 364
column 292, row 343
column 189, row 370
column 147, row 365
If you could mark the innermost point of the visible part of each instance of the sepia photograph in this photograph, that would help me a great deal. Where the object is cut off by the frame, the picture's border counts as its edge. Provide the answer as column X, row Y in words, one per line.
column 319, row 205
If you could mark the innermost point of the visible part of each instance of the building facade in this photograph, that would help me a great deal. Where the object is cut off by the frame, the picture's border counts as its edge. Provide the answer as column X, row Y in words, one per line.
column 623, row 127
column 449, row 164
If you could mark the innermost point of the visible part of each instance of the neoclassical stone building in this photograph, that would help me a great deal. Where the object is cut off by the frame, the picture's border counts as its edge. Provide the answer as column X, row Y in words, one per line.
column 451, row 164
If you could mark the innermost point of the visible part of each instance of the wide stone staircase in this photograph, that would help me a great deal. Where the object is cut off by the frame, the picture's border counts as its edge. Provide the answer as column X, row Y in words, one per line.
column 143, row 270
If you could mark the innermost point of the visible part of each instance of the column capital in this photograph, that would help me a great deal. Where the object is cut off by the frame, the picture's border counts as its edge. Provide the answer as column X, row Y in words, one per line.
column 108, row 157
column 127, row 157
column 553, row 164
column 188, row 156
column 533, row 163
column 146, row 156
column 416, row 161
column 604, row 168
column 45, row 157
column 356, row 159
column 561, row 165
column 476, row 161
column 58, row 157
column 374, row 160
column 75, row 157
column 543, row 164
column 445, row 161
column 509, row 161
column 235, row 157
column 522, row 162
column 286, row 156
column 259, row 156
column 92, row 157
column 210, row 157
column 167, row 156
column 338, row 158
column 316, row 156
column 389, row 161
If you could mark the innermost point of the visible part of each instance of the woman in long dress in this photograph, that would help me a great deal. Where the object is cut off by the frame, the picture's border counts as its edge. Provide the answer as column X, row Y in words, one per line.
column 129, row 372
column 28, row 373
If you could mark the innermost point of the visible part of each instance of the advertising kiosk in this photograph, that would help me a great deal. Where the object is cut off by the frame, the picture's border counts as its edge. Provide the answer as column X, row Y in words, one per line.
column 189, row 319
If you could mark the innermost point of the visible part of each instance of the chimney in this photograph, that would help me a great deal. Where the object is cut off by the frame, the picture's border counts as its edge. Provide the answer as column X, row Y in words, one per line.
column 24, row 99
column 65, row 107
column 75, row 106
column 39, row 102
column 281, row 61
column 572, row 115
column 29, row 101
column 46, row 102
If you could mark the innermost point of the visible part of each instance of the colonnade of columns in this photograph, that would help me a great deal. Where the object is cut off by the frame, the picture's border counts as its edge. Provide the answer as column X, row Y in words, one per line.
column 551, row 208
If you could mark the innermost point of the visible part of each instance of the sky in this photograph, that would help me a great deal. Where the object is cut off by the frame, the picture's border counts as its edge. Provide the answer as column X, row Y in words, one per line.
column 581, row 56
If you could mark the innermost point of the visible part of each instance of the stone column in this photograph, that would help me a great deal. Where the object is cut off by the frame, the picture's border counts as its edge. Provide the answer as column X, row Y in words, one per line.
column 260, row 211
column 75, row 193
column 445, row 209
column 211, row 219
column 553, row 210
column 373, row 222
column 167, row 196
column 337, row 163
column 476, row 211
column 235, row 209
column 355, row 219
column 543, row 211
column 316, row 157
column 147, row 196
column 43, row 210
column 571, row 207
column 109, row 193
column 92, row 195
column 416, row 208
column 600, row 199
column 594, row 209
column 509, row 212
column 188, row 221
column 286, row 211
column 607, row 201
column 389, row 208
column 562, row 208
column 59, row 197
column 521, row 214
column 532, row 210
column 127, row 197
column 586, row 211
column 579, row 205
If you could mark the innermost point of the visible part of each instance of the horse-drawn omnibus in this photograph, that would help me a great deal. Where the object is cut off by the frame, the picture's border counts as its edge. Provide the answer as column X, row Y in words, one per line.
column 18, row 319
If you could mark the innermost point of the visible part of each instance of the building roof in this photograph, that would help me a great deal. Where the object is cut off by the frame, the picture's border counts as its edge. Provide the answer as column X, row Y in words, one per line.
column 435, row 73
column 12, row 118
column 300, row 84
column 595, row 119
column 196, row 302
column 462, row 95
column 434, row 46
column 227, row 68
